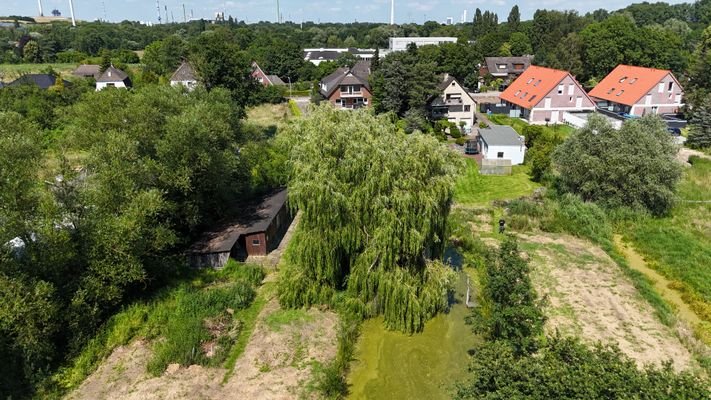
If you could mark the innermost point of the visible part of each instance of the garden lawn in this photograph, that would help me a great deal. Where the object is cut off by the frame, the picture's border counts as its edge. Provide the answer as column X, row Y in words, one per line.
column 475, row 189
column 518, row 124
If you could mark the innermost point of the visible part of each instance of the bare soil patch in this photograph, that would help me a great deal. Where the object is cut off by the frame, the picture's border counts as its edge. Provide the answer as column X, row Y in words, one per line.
column 275, row 365
column 589, row 296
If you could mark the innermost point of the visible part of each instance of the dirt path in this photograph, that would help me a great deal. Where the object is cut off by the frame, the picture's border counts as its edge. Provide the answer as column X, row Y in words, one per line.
column 684, row 154
column 276, row 364
column 589, row 296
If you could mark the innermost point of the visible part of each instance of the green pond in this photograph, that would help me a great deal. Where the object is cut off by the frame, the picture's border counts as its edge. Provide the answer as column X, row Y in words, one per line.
column 393, row 365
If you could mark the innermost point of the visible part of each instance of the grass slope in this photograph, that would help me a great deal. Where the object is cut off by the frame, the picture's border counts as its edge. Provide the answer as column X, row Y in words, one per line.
column 210, row 307
column 679, row 246
column 475, row 189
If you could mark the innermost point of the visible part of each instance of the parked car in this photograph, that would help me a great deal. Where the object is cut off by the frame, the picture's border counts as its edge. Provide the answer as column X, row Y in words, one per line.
column 674, row 131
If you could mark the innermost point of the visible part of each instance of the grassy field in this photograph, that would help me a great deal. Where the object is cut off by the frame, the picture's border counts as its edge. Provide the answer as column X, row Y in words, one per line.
column 518, row 124
column 266, row 115
column 679, row 246
column 475, row 189
column 9, row 72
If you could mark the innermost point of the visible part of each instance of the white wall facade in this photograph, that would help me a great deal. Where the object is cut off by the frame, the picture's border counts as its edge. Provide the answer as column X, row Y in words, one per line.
column 401, row 43
column 188, row 84
column 104, row 85
column 468, row 106
column 514, row 153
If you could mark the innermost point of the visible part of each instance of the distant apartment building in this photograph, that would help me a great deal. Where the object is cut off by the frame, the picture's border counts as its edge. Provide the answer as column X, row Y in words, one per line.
column 638, row 91
column 401, row 43
column 318, row 55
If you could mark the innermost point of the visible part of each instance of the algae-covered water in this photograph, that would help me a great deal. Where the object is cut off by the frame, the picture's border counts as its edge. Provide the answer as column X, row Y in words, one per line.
column 393, row 365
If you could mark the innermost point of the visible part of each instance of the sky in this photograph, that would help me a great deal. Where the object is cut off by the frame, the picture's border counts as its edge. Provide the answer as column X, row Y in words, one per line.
column 298, row 10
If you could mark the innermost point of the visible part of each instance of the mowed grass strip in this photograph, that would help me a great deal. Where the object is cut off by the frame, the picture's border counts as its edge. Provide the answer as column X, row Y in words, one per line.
column 473, row 188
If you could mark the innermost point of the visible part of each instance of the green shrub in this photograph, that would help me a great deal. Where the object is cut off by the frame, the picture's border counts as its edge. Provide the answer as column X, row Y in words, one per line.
column 565, row 368
column 483, row 125
column 460, row 141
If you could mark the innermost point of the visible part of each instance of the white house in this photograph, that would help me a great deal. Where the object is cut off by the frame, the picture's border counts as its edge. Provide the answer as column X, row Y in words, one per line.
column 184, row 76
column 113, row 77
column 503, row 143
column 453, row 104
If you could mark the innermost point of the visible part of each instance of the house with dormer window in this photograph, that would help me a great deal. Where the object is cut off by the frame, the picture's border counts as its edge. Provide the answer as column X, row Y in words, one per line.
column 348, row 88
column 542, row 95
column 638, row 91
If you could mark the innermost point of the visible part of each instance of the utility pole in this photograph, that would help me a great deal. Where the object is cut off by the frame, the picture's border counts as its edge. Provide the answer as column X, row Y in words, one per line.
column 185, row 16
column 278, row 13
column 39, row 2
column 392, row 12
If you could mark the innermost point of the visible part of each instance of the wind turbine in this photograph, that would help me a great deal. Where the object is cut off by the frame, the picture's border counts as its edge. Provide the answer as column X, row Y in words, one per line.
column 39, row 2
column 392, row 12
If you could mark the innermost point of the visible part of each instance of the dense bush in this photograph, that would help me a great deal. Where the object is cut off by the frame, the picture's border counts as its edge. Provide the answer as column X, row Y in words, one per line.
column 634, row 166
column 564, row 368
column 510, row 310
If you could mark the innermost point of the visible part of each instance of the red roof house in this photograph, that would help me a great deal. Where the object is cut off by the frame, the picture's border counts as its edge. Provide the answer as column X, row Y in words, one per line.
column 638, row 91
column 541, row 95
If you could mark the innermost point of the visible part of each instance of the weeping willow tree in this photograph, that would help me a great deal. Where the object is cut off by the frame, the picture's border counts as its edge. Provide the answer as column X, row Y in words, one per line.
column 374, row 206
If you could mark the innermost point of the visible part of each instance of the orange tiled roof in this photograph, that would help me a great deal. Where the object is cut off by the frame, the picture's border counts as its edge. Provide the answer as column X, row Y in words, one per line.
column 532, row 86
column 627, row 84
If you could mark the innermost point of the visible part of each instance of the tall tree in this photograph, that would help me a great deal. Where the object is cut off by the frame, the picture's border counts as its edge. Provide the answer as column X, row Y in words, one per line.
column 514, row 19
column 220, row 63
column 374, row 204
column 700, row 133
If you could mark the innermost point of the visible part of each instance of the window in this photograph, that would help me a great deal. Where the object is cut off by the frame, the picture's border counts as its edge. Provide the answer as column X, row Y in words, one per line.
column 570, row 99
column 633, row 80
column 624, row 78
column 467, row 108
column 501, row 66
column 671, row 86
column 560, row 89
column 344, row 89
column 620, row 93
column 110, row 85
column 660, row 89
column 611, row 90
column 529, row 81
column 500, row 154
column 256, row 242
column 365, row 100
column 517, row 93
column 524, row 95
column 571, row 89
column 532, row 98
column 538, row 82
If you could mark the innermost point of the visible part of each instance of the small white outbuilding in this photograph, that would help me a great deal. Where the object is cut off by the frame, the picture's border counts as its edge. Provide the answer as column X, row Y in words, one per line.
column 502, row 143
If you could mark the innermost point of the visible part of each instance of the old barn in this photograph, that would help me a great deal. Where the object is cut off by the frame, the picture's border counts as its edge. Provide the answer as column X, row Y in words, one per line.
column 257, row 231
